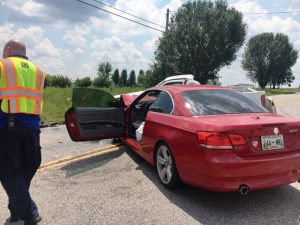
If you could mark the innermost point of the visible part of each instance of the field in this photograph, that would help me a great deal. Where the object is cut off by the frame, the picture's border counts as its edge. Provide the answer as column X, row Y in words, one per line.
column 58, row 100
column 281, row 91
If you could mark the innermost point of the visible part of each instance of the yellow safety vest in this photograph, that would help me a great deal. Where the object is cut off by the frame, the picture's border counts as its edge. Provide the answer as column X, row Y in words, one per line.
column 21, row 86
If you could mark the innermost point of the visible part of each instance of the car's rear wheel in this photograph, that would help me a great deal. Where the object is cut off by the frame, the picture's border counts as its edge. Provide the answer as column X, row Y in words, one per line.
column 166, row 167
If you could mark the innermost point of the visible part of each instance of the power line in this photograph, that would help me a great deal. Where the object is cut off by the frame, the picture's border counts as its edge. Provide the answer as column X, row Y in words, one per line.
column 128, row 13
column 153, row 28
column 268, row 13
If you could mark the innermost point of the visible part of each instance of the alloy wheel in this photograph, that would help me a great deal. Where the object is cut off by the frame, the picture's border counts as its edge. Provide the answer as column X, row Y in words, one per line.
column 164, row 164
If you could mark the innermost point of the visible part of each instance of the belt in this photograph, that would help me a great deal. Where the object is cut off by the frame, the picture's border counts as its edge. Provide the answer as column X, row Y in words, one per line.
column 11, row 123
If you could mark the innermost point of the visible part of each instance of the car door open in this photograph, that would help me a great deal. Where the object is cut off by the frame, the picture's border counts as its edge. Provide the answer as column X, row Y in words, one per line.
column 94, row 115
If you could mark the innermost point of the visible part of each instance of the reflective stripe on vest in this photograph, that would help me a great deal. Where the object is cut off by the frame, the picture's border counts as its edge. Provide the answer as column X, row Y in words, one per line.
column 22, row 93
column 15, row 94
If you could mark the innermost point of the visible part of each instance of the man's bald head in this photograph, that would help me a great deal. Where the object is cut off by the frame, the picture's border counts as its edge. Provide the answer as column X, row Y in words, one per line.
column 14, row 47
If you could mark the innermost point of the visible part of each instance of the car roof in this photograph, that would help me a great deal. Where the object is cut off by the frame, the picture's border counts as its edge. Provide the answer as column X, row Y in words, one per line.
column 181, row 88
column 182, row 76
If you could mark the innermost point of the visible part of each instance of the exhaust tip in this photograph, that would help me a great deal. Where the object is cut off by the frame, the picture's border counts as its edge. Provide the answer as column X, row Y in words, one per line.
column 243, row 189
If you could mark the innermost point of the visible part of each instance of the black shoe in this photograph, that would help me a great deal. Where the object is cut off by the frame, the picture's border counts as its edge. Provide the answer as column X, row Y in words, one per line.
column 33, row 221
column 14, row 218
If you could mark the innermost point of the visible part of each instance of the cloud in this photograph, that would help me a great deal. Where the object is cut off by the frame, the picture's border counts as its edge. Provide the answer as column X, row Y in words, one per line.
column 146, row 9
column 118, row 52
column 77, row 37
column 44, row 11
column 294, row 5
column 40, row 49
column 150, row 45
column 246, row 6
column 6, row 32
column 233, row 74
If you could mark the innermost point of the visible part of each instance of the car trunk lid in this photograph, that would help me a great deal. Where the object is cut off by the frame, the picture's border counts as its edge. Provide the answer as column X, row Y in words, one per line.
column 265, row 133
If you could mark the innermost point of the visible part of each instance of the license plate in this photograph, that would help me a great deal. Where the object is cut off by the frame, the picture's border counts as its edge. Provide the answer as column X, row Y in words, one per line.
column 272, row 142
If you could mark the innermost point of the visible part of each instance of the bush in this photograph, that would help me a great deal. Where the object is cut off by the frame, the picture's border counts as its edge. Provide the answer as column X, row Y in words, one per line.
column 58, row 81
column 101, row 82
column 84, row 82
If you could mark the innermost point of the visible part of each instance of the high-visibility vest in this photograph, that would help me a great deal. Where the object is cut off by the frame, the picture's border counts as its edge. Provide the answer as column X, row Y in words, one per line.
column 21, row 86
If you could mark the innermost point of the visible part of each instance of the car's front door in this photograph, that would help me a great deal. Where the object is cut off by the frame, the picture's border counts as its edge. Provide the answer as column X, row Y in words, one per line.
column 94, row 115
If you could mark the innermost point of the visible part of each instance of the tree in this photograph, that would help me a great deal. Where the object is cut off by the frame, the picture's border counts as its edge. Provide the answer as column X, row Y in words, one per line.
column 103, row 72
column 268, row 59
column 132, row 79
column 84, row 82
column 141, row 78
column 101, row 82
column 203, row 37
column 148, row 79
column 285, row 56
column 123, row 81
column 116, row 77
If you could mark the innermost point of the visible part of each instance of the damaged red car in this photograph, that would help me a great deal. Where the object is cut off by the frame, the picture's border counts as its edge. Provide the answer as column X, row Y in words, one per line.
column 210, row 137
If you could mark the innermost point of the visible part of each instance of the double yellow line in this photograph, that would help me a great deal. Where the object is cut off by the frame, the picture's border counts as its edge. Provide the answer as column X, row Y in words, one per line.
column 79, row 157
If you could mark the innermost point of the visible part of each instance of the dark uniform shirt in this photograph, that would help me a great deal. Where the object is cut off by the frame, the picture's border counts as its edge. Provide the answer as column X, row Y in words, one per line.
column 30, row 121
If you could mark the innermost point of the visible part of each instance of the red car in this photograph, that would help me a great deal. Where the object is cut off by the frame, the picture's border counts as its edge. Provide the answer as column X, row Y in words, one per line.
column 211, row 137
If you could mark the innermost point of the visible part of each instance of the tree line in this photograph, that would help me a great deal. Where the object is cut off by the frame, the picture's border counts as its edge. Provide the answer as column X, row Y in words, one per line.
column 105, row 78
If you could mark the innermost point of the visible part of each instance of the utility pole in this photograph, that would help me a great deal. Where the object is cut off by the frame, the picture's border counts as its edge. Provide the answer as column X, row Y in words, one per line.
column 167, row 19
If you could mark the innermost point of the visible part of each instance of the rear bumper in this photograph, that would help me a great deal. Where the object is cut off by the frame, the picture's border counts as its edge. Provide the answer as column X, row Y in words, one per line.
column 228, row 172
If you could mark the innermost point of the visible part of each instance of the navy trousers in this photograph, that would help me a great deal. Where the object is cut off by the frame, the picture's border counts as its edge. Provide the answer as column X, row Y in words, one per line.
column 20, row 157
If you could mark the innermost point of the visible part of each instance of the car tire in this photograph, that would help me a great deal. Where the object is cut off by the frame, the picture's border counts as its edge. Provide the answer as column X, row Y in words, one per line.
column 166, row 167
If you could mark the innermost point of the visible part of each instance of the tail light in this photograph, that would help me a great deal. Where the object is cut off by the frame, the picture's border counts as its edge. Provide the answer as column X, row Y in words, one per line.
column 212, row 140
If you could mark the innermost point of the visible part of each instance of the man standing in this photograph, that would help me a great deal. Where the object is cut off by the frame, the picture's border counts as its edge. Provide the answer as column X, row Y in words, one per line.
column 21, row 102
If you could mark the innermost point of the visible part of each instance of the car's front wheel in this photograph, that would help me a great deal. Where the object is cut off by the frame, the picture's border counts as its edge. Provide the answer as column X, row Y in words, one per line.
column 166, row 167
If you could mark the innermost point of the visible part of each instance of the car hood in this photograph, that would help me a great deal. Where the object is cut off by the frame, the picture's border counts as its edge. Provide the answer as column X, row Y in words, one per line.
column 127, row 99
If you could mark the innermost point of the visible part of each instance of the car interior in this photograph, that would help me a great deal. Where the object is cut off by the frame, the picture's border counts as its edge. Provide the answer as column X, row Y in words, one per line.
column 157, row 101
column 139, row 112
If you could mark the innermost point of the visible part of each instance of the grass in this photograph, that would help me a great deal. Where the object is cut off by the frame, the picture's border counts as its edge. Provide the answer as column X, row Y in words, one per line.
column 58, row 100
column 281, row 91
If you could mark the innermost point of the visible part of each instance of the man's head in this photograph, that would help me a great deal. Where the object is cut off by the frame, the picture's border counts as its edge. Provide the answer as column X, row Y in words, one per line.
column 14, row 47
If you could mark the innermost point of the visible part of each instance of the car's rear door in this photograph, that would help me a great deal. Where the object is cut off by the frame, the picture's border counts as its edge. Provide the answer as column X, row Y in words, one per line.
column 94, row 115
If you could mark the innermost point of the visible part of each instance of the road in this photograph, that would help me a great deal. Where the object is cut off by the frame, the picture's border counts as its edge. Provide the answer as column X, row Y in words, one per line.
column 121, row 188
column 288, row 105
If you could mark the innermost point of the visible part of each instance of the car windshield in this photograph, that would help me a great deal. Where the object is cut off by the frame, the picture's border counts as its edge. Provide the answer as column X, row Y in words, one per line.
column 217, row 102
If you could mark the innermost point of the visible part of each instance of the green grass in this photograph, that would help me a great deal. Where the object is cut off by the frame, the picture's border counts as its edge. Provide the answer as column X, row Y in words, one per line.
column 281, row 91
column 58, row 100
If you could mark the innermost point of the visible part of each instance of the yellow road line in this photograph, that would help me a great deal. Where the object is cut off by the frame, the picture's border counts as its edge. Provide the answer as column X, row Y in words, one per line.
column 82, row 156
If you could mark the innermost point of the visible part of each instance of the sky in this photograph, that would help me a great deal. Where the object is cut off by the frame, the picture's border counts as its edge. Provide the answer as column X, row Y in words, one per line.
column 71, row 38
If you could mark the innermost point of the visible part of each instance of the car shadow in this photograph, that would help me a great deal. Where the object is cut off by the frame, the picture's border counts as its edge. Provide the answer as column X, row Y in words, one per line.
column 273, row 206
column 85, row 165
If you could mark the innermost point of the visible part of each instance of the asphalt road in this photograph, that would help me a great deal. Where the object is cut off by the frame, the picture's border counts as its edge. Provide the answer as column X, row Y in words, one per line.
column 288, row 105
column 121, row 188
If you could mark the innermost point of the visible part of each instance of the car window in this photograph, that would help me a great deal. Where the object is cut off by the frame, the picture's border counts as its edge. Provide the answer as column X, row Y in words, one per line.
column 216, row 102
column 163, row 103
column 93, row 97
column 173, row 83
